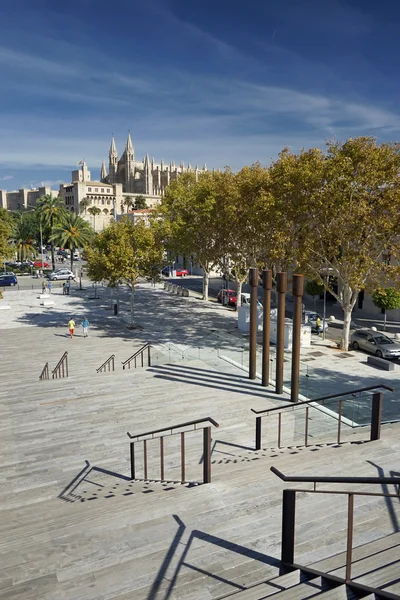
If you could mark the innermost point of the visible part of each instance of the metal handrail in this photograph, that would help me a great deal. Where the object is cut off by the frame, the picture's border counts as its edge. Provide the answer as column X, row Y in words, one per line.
column 300, row 404
column 186, row 424
column 45, row 372
column 289, row 510
column 207, row 422
column 56, row 372
column 106, row 363
column 140, row 352
column 323, row 479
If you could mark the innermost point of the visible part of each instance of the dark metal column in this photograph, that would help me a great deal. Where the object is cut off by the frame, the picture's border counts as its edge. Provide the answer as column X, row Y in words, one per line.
column 281, row 288
column 298, row 291
column 267, row 285
column 288, row 528
column 376, row 416
column 253, row 281
column 207, row 455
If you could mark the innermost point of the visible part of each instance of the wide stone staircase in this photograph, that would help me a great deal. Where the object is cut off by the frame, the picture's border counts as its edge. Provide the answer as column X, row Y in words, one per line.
column 74, row 524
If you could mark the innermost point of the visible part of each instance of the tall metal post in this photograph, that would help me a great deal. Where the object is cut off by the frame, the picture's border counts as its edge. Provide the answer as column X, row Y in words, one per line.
column 207, row 455
column 288, row 528
column 253, row 280
column 376, row 416
column 298, row 291
column 267, row 286
column 281, row 288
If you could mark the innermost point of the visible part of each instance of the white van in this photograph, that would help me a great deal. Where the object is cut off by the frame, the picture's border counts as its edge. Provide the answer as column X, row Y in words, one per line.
column 76, row 255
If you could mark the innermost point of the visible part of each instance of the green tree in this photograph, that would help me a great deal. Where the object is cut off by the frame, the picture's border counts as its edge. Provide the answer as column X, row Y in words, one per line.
column 24, row 242
column 128, row 202
column 72, row 232
column 314, row 288
column 84, row 204
column 344, row 206
column 386, row 299
column 189, row 210
column 94, row 210
column 6, row 229
column 140, row 202
column 124, row 252
column 50, row 210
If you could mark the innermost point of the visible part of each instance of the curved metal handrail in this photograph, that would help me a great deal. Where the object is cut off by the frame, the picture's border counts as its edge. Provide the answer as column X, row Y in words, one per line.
column 300, row 404
column 186, row 424
column 323, row 479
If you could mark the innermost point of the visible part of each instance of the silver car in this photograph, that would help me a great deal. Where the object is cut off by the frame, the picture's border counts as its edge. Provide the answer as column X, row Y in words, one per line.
column 375, row 342
column 61, row 274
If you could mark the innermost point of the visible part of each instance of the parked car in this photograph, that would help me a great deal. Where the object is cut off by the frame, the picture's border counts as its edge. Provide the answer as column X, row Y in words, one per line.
column 245, row 299
column 61, row 274
column 311, row 317
column 6, row 280
column 182, row 272
column 375, row 342
column 229, row 294
column 38, row 263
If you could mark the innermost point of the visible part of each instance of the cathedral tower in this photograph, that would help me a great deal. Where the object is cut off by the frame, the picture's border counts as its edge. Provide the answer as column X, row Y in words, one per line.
column 130, row 164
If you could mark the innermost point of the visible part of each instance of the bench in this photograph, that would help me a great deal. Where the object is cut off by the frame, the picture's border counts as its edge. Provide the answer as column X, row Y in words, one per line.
column 46, row 302
column 381, row 363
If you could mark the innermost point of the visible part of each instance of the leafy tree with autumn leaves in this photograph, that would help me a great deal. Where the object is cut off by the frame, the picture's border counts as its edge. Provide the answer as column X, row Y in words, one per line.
column 124, row 252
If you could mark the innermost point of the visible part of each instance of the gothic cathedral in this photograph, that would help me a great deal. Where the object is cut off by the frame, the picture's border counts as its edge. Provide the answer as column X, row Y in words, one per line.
column 141, row 177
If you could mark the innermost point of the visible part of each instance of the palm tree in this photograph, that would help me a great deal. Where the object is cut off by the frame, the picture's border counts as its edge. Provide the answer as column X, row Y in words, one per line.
column 72, row 232
column 94, row 210
column 140, row 202
column 128, row 202
column 50, row 210
column 22, row 236
column 84, row 203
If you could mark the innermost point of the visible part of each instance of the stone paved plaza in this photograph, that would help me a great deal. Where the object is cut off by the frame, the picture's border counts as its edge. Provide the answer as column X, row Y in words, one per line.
column 75, row 525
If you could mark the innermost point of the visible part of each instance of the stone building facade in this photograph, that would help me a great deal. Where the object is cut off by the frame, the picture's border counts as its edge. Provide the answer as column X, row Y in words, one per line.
column 23, row 198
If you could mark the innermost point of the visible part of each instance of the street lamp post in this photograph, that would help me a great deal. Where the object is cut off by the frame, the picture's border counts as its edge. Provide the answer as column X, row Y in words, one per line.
column 324, row 316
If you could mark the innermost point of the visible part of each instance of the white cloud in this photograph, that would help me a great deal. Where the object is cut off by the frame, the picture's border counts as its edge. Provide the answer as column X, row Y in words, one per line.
column 6, row 178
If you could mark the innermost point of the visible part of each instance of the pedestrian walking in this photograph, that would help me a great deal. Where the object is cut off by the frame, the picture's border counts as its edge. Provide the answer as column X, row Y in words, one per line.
column 43, row 287
column 85, row 325
column 64, row 290
column 67, row 286
column 40, row 273
column 318, row 325
column 71, row 327
column 49, row 287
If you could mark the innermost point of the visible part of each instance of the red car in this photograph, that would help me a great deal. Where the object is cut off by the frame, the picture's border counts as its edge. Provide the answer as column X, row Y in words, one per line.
column 38, row 263
column 182, row 272
column 231, row 296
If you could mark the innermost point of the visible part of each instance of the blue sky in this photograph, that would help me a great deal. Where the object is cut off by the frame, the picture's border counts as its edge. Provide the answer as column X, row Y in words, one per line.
column 225, row 83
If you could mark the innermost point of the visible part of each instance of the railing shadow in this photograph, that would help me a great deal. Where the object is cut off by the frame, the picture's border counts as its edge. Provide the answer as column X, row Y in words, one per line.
column 182, row 562
column 388, row 501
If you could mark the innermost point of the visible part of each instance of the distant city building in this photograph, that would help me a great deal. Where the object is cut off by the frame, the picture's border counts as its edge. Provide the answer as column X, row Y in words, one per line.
column 24, row 197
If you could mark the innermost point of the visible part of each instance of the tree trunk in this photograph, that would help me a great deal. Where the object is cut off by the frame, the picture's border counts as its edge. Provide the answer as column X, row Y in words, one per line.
column 132, row 302
column 53, row 262
column 344, row 342
column 239, row 285
column 72, row 259
column 206, row 278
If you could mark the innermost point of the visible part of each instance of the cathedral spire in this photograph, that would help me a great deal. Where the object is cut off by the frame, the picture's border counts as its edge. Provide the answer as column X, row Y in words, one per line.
column 113, row 148
column 103, row 172
column 129, row 145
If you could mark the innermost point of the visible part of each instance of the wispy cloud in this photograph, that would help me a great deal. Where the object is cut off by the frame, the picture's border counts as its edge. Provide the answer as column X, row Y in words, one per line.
column 6, row 178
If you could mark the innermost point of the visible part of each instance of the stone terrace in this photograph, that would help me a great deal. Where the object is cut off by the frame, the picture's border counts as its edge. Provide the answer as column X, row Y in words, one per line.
column 74, row 525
